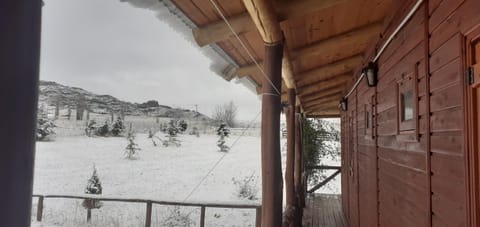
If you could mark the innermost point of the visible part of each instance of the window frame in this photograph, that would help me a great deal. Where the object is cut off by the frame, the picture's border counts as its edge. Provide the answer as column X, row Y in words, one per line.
column 408, row 83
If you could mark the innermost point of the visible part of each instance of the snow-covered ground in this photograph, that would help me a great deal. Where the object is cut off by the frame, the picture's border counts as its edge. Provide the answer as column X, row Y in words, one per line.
column 64, row 165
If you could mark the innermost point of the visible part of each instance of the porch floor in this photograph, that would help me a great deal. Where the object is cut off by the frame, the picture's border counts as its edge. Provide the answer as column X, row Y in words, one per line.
column 323, row 210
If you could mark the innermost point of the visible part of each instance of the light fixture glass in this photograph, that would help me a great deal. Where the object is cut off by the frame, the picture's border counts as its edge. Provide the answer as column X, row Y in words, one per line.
column 371, row 74
column 344, row 104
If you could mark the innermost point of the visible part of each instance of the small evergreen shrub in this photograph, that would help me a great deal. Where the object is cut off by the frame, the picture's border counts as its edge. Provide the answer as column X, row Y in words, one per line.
column 118, row 127
column 94, row 186
column 132, row 148
column 223, row 132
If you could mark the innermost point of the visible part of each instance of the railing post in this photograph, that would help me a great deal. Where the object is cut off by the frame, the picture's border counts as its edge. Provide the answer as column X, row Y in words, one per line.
column 148, row 218
column 89, row 210
column 258, row 217
column 40, row 208
column 202, row 216
column 89, row 214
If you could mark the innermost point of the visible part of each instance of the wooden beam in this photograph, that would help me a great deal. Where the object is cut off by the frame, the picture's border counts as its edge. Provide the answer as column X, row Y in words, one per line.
column 325, row 72
column 332, row 105
column 287, row 70
column 247, row 70
column 317, row 87
column 20, row 26
column 294, row 9
column 323, row 92
column 241, row 24
column 351, row 43
column 335, row 97
column 263, row 15
column 219, row 30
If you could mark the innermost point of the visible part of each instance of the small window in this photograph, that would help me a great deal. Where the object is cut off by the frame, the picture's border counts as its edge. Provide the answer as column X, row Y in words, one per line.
column 407, row 106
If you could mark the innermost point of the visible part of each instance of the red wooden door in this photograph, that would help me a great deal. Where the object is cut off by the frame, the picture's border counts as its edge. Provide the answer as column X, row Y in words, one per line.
column 473, row 123
column 352, row 170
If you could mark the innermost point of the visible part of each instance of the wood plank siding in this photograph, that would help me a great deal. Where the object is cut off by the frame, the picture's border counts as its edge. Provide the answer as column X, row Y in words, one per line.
column 412, row 171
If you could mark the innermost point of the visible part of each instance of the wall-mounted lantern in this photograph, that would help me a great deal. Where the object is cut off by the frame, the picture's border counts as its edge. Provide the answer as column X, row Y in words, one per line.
column 371, row 74
column 344, row 104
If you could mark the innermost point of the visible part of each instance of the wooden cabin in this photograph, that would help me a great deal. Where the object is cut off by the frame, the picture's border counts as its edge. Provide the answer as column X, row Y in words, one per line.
column 402, row 75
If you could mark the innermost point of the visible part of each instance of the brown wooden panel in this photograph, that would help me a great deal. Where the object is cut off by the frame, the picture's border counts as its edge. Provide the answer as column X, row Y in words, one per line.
column 446, row 98
column 388, row 114
column 447, row 120
column 412, row 177
column 447, row 143
column 448, row 74
column 465, row 18
column 414, row 160
column 449, row 51
column 406, row 210
column 387, row 98
column 443, row 11
column 387, row 128
column 407, row 39
column 451, row 213
column 415, row 196
column 432, row 5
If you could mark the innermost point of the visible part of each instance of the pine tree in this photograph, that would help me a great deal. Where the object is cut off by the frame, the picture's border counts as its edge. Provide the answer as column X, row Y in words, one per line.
column 222, row 132
column 94, row 186
column 182, row 126
column 132, row 147
column 172, row 131
column 118, row 127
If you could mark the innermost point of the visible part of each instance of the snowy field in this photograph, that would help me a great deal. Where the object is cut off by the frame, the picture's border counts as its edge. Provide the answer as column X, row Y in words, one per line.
column 64, row 165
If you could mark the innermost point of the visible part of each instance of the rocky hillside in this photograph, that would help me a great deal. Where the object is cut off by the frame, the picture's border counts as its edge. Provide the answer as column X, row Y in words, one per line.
column 52, row 94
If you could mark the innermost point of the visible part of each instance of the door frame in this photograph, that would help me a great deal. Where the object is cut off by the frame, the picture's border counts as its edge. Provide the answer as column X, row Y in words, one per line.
column 472, row 122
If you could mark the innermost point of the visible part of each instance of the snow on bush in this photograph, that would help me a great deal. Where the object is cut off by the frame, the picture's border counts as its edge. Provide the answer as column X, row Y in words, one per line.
column 177, row 218
column 246, row 188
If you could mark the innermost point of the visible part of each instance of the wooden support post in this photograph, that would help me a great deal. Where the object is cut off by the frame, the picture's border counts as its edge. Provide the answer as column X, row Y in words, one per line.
column 20, row 22
column 148, row 216
column 40, row 208
column 272, row 185
column 298, row 164
column 258, row 217
column 202, row 216
column 290, row 160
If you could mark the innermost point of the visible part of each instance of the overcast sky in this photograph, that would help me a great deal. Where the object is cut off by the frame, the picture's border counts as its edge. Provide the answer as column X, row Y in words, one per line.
column 111, row 47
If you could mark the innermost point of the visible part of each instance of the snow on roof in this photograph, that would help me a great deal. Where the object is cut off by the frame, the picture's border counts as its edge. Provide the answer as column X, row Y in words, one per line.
column 222, row 64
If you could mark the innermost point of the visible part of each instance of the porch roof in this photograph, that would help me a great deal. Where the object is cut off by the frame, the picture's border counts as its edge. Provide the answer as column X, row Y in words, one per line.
column 326, row 43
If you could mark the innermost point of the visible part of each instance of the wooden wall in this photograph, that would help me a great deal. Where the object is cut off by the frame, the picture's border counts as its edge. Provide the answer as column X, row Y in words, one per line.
column 412, row 173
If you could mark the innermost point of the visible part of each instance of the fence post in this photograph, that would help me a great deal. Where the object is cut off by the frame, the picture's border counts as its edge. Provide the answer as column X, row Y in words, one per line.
column 148, row 218
column 258, row 217
column 40, row 208
column 89, row 214
column 202, row 216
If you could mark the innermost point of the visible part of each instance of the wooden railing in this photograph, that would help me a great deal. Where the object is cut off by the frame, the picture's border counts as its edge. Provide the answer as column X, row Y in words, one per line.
column 326, row 180
column 149, row 203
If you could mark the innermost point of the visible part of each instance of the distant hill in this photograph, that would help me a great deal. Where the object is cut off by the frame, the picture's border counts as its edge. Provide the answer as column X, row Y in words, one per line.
column 52, row 94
